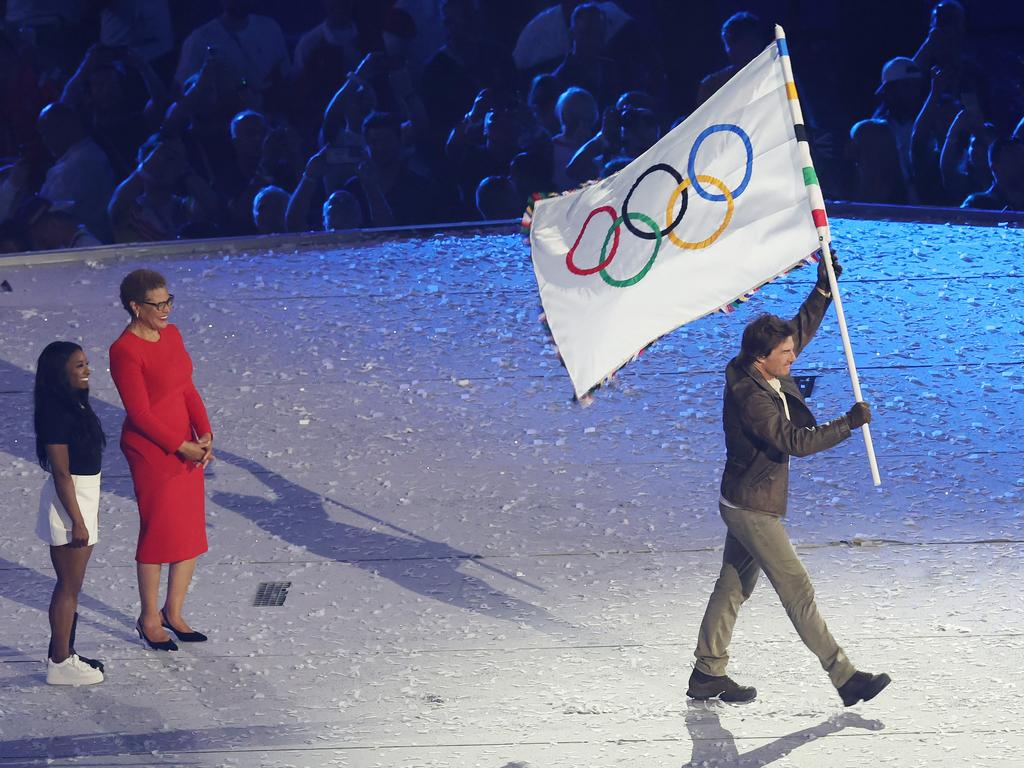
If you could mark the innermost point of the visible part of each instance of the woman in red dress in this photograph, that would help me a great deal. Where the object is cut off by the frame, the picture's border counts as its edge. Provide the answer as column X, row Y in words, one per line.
column 168, row 443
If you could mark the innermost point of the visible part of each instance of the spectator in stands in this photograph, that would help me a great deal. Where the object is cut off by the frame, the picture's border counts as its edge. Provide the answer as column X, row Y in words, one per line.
column 458, row 71
column 98, row 90
column 48, row 227
column 929, row 135
column 639, row 130
column 353, row 103
column 248, row 133
column 744, row 36
column 251, row 49
column 200, row 118
column 542, row 98
column 496, row 199
column 1006, row 193
column 147, row 206
column 23, row 93
column 474, row 161
column 945, row 49
column 411, row 198
column 587, row 64
column 329, row 168
column 902, row 95
column 1018, row 132
column 145, row 27
column 878, row 175
column 324, row 56
column 577, row 115
column 342, row 211
column 545, row 40
column 606, row 144
column 310, row 190
column 329, row 50
column 530, row 172
column 281, row 158
column 81, row 173
column 964, row 159
column 268, row 210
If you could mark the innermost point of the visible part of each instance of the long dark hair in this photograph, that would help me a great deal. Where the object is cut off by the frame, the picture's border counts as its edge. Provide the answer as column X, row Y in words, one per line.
column 53, row 390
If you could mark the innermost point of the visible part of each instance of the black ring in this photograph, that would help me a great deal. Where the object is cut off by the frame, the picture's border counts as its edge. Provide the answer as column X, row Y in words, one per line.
column 682, row 203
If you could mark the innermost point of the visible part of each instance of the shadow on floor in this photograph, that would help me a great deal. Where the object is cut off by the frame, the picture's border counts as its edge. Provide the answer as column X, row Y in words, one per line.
column 715, row 747
column 420, row 565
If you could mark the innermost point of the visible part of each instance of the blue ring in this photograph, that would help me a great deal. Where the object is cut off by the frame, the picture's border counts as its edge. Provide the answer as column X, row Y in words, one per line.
column 692, row 163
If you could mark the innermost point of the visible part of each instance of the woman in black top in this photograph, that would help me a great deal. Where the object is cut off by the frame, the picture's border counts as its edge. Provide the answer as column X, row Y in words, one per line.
column 69, row 445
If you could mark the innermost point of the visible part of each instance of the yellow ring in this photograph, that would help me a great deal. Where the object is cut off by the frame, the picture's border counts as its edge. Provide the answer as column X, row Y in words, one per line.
column 729, row 205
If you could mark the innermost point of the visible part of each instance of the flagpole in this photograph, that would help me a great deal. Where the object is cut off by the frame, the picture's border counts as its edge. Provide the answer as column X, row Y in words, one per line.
column 817, row 203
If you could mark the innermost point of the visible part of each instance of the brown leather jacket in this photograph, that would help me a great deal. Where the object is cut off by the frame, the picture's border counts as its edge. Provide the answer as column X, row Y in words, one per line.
column 759, row 439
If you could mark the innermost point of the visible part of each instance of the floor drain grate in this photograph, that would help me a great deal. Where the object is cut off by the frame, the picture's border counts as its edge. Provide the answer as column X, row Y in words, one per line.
column 271, row 593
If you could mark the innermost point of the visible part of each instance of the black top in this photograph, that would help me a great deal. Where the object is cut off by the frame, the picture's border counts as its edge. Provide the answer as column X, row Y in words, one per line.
column 60, row 425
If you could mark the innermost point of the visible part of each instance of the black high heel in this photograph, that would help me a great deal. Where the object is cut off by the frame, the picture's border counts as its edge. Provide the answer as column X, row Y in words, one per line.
column 162, row 645
column 185, row 637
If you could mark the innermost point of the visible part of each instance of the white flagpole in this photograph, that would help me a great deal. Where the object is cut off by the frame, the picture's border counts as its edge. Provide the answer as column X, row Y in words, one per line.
column 817, row 202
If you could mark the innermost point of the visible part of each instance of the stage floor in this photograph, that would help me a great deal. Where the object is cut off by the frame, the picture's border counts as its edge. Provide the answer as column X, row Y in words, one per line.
column 485, row 574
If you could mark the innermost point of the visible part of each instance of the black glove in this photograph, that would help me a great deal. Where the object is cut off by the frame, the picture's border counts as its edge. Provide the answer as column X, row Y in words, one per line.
column 858, row 415
column 823, row 270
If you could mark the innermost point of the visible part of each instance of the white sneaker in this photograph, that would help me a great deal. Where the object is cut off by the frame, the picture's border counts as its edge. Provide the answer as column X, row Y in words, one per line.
column 72, row 671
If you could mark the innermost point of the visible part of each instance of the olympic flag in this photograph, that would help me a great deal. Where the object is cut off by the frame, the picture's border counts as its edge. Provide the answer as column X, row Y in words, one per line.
column 718, row 207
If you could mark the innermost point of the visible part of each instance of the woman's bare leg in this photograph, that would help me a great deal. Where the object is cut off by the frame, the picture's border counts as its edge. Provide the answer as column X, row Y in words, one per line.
column 149, row 594
column 179, row 577
column 69, row 564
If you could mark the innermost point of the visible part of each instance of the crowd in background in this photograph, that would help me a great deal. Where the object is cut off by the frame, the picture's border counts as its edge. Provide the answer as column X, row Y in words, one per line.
column 143, row 120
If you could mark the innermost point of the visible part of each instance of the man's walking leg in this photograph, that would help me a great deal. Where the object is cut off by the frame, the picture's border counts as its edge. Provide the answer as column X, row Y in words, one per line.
column 735, row 584
column 765, row 537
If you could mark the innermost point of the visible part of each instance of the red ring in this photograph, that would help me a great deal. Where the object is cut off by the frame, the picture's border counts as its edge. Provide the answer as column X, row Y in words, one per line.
column 611, row 254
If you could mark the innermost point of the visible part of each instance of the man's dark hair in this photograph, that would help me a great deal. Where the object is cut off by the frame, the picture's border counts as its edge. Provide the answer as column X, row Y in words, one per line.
column 763, row 334
column 137, row 284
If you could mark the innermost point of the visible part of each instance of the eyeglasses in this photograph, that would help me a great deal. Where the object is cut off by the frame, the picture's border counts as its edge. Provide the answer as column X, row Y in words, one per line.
column 161, row 306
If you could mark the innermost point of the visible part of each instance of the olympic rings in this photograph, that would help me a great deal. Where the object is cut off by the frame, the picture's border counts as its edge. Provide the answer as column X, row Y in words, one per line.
column 672, row 221
column 650, row 262
column 692, row 161
column 681, row 189
column 604, row 261
column 625, row 203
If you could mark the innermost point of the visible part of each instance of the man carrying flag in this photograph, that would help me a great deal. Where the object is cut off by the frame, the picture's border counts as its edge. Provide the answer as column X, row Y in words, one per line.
column 766, row 421
column 727, row 201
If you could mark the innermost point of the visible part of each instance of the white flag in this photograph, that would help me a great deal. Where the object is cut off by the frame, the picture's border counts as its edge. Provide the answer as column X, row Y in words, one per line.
column 711, row 212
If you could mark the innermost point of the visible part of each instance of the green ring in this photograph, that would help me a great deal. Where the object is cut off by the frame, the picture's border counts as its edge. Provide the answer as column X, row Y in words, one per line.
column 650, row 262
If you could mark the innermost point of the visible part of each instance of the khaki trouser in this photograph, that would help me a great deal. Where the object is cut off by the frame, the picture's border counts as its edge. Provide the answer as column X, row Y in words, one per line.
column 758, row 542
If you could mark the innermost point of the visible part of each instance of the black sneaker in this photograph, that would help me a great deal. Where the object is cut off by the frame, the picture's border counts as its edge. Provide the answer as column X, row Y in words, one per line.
column 863, row 686
column 703, row 687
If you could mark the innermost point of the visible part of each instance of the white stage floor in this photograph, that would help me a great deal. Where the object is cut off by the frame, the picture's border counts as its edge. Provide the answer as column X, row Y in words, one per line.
column 485, row 574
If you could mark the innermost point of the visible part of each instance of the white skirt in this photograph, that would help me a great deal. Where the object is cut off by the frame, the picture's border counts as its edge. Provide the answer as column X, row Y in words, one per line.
column 53, row 525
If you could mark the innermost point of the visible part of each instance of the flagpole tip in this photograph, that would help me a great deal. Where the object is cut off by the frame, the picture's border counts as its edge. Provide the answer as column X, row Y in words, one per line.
column 780, row 33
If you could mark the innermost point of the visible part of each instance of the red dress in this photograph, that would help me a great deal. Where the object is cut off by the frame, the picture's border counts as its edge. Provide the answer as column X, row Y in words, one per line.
column 162, row 410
